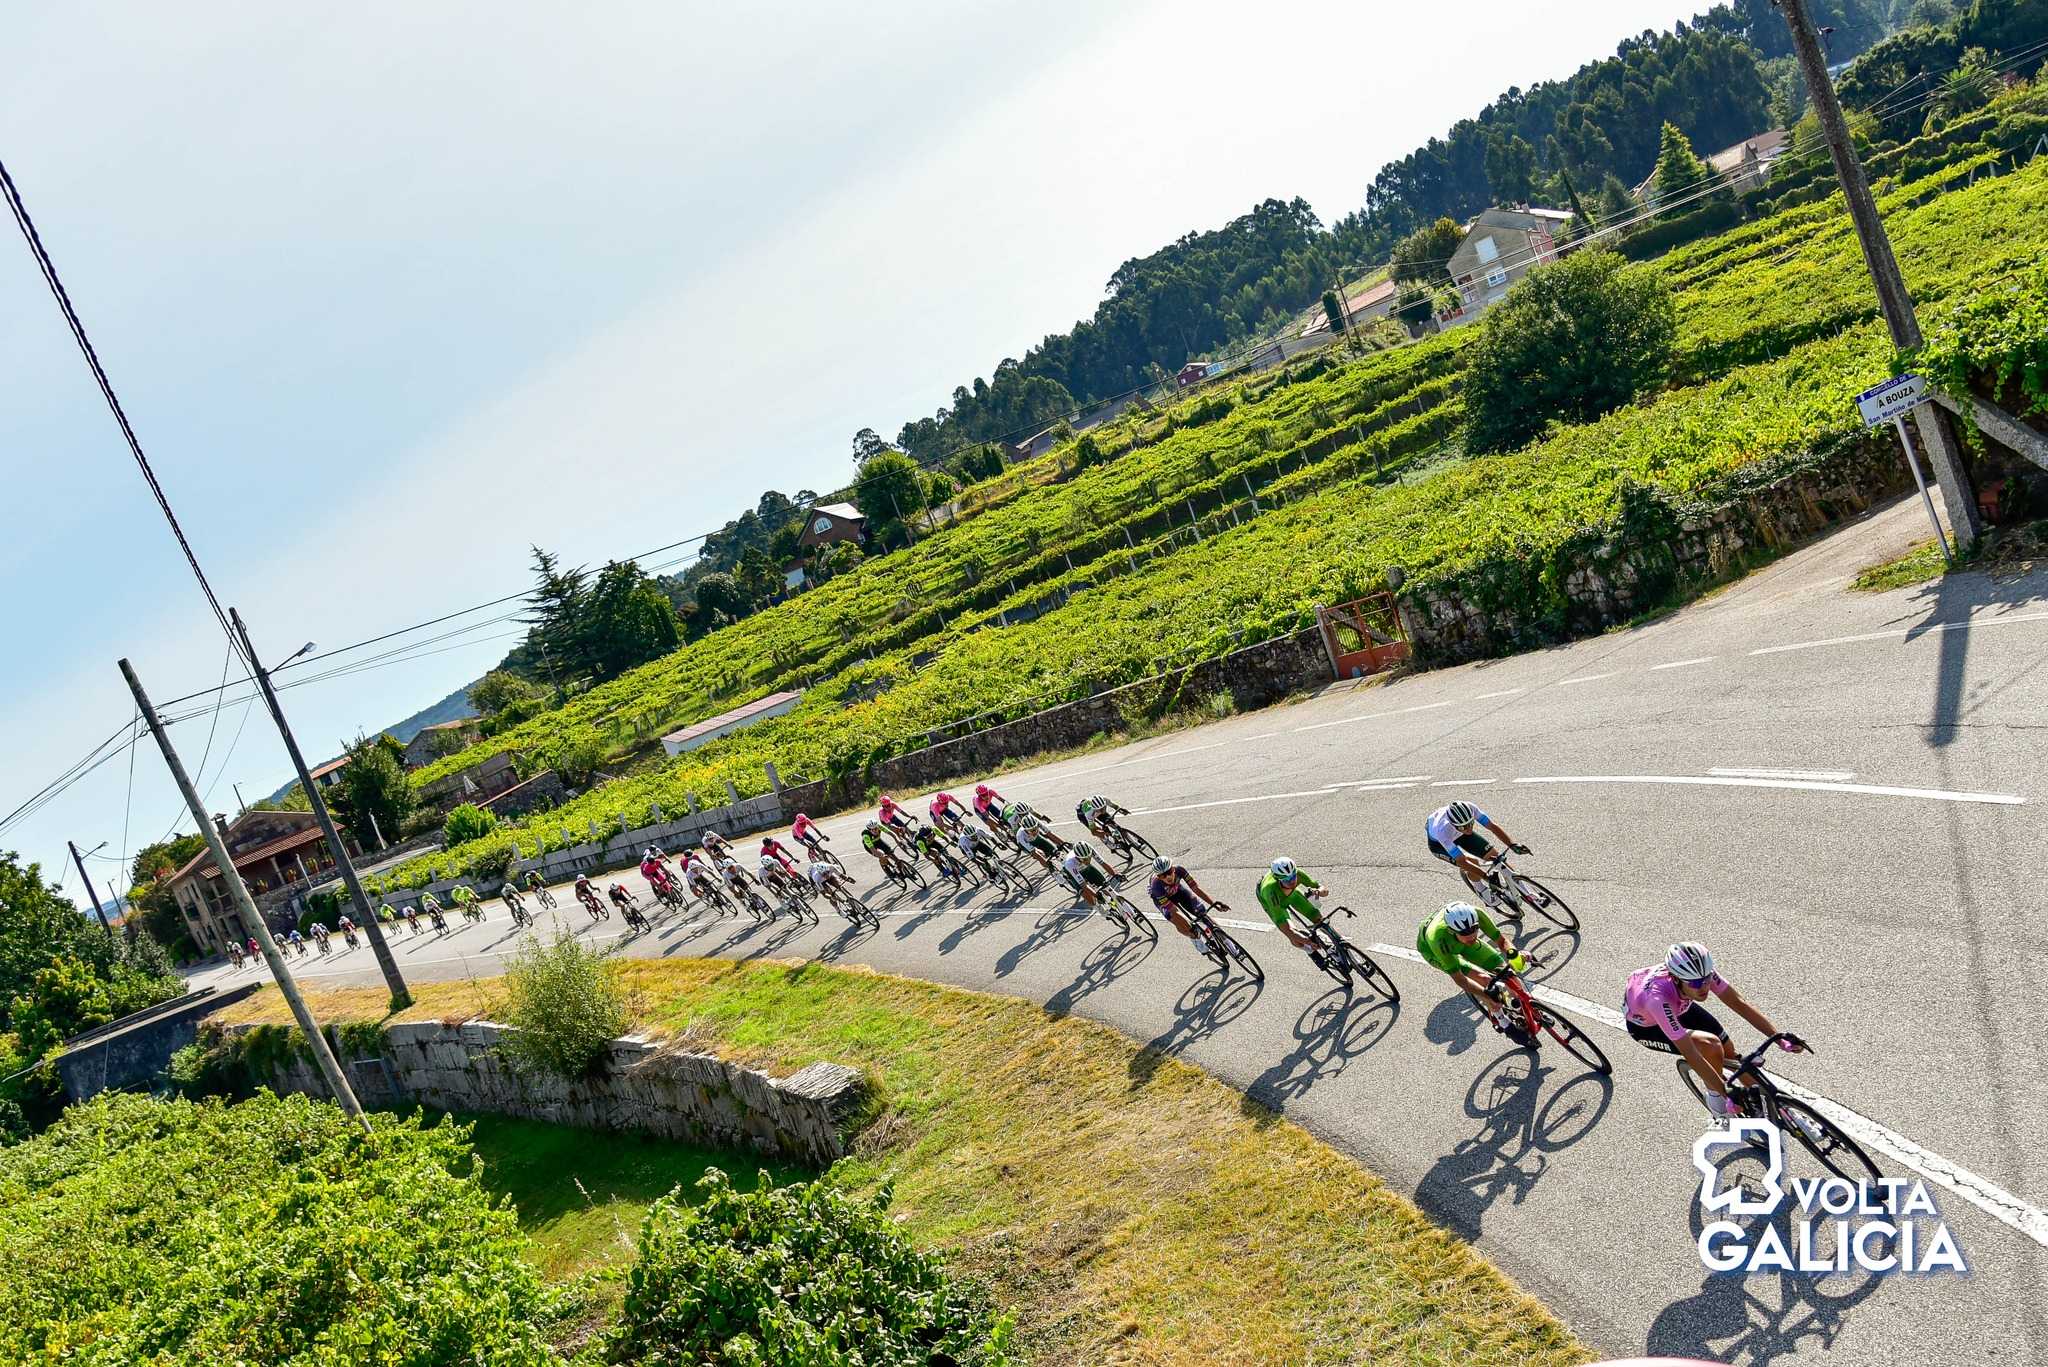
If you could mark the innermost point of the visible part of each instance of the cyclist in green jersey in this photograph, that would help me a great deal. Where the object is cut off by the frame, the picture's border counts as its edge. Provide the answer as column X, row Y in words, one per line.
column 1287, row 889
column 1453, row 941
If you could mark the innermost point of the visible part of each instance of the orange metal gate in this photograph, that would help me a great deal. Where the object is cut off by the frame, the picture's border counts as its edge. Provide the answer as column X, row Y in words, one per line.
column 1363, row 637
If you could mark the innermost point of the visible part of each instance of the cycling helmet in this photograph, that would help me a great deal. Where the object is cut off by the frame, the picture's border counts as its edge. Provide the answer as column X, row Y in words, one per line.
column 1689, row 962
column 1084, row 849
column 1162, row 866
column 983, row 790
column 873, row 825
column 798, row 819
column 1284, row 870
column 1461, row 917
column 1461, row 814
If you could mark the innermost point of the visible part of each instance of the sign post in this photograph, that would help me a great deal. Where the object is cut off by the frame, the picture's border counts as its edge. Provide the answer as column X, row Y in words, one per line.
column 1891, row 402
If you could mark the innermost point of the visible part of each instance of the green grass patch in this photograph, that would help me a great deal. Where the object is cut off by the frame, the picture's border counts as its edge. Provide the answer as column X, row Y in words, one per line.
column 1916, row 566
column 1074, row 1174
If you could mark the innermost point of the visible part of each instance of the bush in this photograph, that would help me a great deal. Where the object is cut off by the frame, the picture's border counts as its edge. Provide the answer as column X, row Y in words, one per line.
column 274, row 1231
column 793, row 1275
column 567, row 1005
column 1573, row 340
column 467, row 822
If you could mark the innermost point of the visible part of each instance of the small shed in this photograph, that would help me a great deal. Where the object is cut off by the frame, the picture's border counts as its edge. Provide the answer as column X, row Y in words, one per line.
column 725, row 723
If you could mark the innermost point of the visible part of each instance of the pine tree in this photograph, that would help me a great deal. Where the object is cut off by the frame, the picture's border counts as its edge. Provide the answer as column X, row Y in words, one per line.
column 1679, row 169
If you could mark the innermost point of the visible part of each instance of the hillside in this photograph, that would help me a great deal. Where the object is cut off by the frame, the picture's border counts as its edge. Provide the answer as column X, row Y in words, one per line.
column 1309, row 486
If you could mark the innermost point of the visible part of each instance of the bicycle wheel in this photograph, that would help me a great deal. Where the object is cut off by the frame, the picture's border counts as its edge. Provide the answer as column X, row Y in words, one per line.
column 1144, row 924
column 1576, row 1041
column 1369, row 972
column 1546, row 903
column 1328, row 957
column 1825, row 1140
column 1239, row 955
column 1132, row 840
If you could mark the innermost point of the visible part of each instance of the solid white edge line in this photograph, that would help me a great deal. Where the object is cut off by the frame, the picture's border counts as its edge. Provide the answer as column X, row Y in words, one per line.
column 1815, row 775
column 1964, row 625
column 1681, row 664
column 1995, row 1201
column 1584, row 678
column 1801, row 785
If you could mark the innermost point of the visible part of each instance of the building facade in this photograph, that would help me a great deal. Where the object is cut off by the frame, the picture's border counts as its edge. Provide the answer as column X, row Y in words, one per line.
column 275, row 852
column 1500, row 247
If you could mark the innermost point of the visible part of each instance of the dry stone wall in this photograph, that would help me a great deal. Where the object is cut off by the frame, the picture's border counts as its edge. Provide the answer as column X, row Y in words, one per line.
column 696, row 1098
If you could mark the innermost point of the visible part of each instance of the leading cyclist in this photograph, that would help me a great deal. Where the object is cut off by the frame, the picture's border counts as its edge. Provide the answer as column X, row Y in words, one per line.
column 1176, row 893
column 1453, row 834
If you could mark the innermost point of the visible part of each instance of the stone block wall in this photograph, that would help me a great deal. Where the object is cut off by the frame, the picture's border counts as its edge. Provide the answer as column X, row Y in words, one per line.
column 695, row 1098
column 135, row 1050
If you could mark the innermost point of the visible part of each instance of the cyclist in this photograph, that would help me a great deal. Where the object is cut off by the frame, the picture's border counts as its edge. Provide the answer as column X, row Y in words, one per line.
column 534, row 882
column 805, row 832
column 1284, row 889
column 1098, row 814
column 347, row 927
column 1084, row 873
column 586, row 893
column 320, row 934
column 989, row 805
column 776, row 876
column 1453, row 834
column 698, row 877
column 412, row 913
column 1176, row 893
column 298, row 942
column 773, row 849
column 716, row 847
column 1453, row 941
column 893, row 816
column 733, row 876
column 620, row 897
column 932, row 845
column 235, row 955
column 972, row 844
column 1664, row 1013
column 1038, row 840
column 386, row 914
column 875, row 843
column 509, row 894
column 654, row 871
column 253, row 950
column 464, row 897
column 945, row 811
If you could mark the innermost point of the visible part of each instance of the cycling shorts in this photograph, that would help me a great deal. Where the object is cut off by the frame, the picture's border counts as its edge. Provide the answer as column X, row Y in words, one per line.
column 1471, row 842
column 1694, row 1017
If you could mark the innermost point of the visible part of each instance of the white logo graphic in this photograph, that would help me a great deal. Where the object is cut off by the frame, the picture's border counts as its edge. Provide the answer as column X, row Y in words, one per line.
column 1738, row 1135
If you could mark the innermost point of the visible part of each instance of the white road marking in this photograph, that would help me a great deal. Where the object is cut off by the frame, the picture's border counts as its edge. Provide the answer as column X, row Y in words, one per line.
column 1367, row 786
column 1681, row 664
column 1995, row 1201
column 1410, row 779
column 1820, row 775
column 1462, row 782
column 1584, row 678
column 1374, row 716
column 1803, row 785
column 1965, row 625
column 1503, row 693
column 1236, row 801
column 1263, row 735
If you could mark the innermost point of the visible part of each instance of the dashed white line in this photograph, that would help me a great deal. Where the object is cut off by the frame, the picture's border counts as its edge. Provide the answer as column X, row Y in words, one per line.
column 1802, row 785
column 1236, row 801
column 1965, row 625
column 1462, row 782
column 1584, row 678
column 1374, row 716
column 1818, row 775
column 1503, row 693
column 1681, row 664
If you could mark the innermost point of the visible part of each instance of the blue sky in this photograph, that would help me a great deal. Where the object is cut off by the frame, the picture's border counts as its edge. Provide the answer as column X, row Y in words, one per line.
column 393, row 291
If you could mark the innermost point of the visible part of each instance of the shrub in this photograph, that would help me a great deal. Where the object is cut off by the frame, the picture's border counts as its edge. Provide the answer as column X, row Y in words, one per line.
column 467, row 822
column 275, row 1231
column 567, row 1004
column 1573, row 340
column 793, row 1275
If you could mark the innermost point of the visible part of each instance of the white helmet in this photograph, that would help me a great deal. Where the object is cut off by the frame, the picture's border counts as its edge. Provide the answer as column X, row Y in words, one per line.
column 1460, row 814
column 1690, row 962
column 1461, row 917
column 1284, row 870
column 1162, row 865
column 1084, row 849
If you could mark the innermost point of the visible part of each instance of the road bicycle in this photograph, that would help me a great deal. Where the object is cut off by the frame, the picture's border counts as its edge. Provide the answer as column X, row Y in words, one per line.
column 1830, row 1145
column 753, row 901
column 634, row 917
column 999, row 873
column 1339, row 958
column 669, row 895
column 1218, row 944
column 848, row 903
column 779, row 881
column 713, row 896
column 1127, row 843
column 593, row 904
column 1120, row 910
column 547, row 899
column 902, row 874
column 948, row 867
column 821, row 854
column 1518, row 893
column 1536, row 1020
column 520, row 915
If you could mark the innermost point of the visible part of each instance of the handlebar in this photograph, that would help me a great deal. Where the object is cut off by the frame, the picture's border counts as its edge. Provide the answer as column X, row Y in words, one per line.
column 1754, row 1058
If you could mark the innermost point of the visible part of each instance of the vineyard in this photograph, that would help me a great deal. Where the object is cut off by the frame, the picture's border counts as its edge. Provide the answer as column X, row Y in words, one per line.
column 1178, row 536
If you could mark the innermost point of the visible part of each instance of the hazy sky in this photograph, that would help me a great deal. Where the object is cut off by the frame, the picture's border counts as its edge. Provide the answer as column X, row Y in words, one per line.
column 394, row 291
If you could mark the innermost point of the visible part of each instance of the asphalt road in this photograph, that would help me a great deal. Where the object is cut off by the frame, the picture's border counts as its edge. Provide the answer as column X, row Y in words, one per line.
column 1839, row 793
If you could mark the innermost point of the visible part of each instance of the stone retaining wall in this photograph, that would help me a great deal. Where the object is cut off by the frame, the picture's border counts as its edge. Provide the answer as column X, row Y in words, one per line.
column 695, row 1098
column 134, row 1050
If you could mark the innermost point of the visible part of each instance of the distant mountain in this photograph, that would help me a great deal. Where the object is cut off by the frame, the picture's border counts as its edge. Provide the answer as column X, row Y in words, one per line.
column 454, row 707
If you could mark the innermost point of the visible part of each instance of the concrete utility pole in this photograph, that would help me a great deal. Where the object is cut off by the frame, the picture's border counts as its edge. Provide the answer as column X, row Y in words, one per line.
column 337, row 1081
column 365, row 917
column 86, row 878
column 1944, row 452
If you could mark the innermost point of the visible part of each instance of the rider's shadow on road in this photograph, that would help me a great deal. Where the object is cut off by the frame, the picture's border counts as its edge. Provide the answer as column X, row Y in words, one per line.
column 1210, row 1003
column 1336, row 1028
column 1103, row 965
column 781, row 932
column 975, row 919
column 1521, row 1124
column 1730, row 1319
column 1051, row 925
column 846, row 939
column 1453, row 1021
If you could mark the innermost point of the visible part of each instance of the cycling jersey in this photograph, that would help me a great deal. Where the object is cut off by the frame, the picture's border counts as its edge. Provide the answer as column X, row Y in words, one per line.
column 773, row 848
column 820, row 873
column 983, row 802
column 804, row 829
column 770, row 866
column 1652, row 1000
column 533, row 880
column 1089, row 809
column 1441, row 948
column 1179, row 894
column 1080, row 870
column 968, row 841
column 1278, row 901
column 871, row 841
column 943, row 803
column 1443, row 837
column 650, row 870
column 890, row 812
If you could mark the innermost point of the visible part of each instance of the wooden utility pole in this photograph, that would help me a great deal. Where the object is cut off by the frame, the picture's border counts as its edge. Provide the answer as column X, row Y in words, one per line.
column 1937, row 436
column 365, row 917
column 337, row 1081
column 86, row 878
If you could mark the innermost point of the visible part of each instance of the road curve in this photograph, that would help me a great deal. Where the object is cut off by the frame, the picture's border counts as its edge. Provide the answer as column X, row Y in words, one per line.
column 1840, row 793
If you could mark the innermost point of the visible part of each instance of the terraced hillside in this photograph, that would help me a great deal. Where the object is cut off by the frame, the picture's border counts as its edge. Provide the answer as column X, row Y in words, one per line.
column 1306, row 489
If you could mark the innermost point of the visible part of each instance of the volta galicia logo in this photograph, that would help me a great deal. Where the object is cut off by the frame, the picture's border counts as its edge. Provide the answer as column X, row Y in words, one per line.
column 1833, row 1224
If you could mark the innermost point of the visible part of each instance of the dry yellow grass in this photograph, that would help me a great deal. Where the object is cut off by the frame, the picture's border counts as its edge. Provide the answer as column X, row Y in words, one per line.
column 1134, row 1209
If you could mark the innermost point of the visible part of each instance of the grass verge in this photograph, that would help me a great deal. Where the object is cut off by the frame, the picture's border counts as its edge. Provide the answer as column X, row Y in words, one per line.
column 1918, row 565
column 1132, row 1208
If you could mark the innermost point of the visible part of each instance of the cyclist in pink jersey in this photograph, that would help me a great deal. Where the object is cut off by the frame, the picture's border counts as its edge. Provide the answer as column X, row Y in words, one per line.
column 1662, row 1004
column 893, row 815
column 805, row 831
column 942, row 811
column 771, row 848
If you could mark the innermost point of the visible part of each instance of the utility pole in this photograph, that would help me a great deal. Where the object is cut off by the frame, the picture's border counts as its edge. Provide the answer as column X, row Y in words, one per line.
column 97, row 910
column 240, row 801
column 337, row 1081
column 400, row 997
column 1938, row 438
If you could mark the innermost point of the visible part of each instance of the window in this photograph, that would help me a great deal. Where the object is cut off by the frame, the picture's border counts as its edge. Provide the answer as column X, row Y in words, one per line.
column 1495, row 278
column 822, row 525
column 1488, row 252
